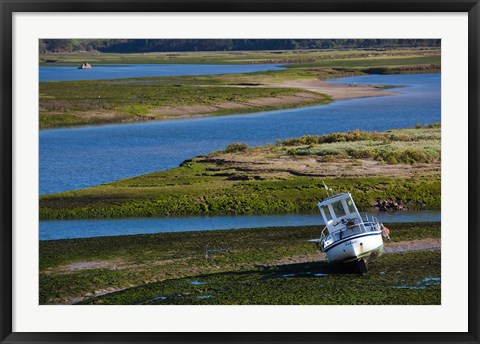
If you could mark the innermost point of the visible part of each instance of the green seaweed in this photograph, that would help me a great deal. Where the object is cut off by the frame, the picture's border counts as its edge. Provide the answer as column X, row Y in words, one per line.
column 136, row 260
column 399, row 278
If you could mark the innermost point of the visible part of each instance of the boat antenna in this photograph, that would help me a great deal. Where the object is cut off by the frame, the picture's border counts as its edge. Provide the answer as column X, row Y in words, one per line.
column 327, row 188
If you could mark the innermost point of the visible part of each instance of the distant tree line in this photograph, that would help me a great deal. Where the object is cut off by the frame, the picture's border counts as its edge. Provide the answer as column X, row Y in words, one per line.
column 159, row 45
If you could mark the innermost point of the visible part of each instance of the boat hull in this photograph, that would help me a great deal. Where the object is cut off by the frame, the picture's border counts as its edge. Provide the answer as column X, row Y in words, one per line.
column 356, row 247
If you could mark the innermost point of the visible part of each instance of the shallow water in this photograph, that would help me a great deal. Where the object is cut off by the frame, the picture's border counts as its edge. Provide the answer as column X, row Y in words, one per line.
column 119, row 71
column 81, row 157
column 158, row 298
column 425, row 283
column 69, row 229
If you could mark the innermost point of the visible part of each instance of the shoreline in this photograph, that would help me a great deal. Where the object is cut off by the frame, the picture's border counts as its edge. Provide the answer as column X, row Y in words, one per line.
column 257, row 92
column 59, row 229
column 286, row 177
column 230, row 57
column 328, row 92
column 338, row 91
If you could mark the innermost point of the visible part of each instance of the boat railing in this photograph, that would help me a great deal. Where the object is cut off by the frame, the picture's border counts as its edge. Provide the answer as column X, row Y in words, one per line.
column 345, row 231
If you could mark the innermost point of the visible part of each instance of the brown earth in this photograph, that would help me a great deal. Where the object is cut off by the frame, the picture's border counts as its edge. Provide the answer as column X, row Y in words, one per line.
column 307, row 166
column 336, row 91
column 206, row 110
column 313, row 86
column 390, row 247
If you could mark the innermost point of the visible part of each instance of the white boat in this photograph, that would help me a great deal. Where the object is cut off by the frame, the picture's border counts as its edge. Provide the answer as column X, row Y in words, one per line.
column 346, row 236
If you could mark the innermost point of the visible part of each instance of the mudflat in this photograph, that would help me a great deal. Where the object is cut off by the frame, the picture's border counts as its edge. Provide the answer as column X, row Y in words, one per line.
column 135, row 269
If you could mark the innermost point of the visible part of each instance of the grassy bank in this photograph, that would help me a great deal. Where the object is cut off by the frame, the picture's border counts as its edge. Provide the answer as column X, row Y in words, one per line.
column 76, row 269
column 231, row 57
column 403, row 165
column 72, row 103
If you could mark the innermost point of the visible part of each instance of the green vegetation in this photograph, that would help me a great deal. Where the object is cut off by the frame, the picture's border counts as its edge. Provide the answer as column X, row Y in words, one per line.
column 171, row 45
column 94, row 102
column 193, row 190
column 373, row 62
column 405, row 146
column 78, row 268
column 70, row 103
column 393, row 280
column 236, row 147
column 283, row 178
column 221, row 57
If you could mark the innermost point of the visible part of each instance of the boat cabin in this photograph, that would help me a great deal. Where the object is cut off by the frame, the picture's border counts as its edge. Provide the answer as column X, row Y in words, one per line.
column 339, row 211
column 343, row 226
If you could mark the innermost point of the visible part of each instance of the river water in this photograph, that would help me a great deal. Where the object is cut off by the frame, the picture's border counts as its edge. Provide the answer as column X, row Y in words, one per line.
column 117, row 71
column 69, row 229
column 76, row 158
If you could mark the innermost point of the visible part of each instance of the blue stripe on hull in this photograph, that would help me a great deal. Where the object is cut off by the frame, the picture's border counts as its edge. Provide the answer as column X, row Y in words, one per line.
column 350, row 238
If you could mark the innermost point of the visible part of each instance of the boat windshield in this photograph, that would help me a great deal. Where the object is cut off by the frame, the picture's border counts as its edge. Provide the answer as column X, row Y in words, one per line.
column 338, row 209
column 328, row 216
column 350, row 206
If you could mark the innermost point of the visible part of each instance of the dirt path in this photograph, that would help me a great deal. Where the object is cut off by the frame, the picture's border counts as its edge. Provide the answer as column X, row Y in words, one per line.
column 414, row 245
column 391, row 247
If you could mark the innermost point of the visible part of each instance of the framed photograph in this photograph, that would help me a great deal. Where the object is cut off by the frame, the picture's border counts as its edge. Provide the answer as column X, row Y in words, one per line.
column 239, row 172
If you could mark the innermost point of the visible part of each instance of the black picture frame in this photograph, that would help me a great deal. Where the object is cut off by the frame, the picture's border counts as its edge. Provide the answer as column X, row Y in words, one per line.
column 9, row 7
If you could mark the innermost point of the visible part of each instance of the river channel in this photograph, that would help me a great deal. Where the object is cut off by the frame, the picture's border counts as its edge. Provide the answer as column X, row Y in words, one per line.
column 70, row 229
column 76, row 158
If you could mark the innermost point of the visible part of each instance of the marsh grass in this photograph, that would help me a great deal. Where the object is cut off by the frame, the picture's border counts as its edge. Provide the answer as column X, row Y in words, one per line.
column 89, row 102
column 180, row 192
column 238, row 57
column 393, row 279
column 203, row 186
column 141, row 259
column 71, row 103
column 387, row 61
column 407, row 146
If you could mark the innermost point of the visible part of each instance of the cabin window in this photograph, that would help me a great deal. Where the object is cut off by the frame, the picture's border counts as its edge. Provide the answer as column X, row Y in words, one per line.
column 350, row 206
column 338, row 209
column 328, row 216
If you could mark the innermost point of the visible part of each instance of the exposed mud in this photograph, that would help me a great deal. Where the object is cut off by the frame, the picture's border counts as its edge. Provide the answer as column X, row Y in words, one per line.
column 390, row 247
column 206, row 110
column 113, row 264
column 414, row 245
column 316, row 167
column 317, row 86
column 336, row 91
